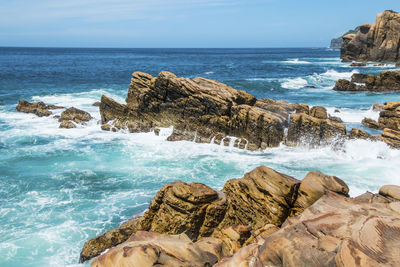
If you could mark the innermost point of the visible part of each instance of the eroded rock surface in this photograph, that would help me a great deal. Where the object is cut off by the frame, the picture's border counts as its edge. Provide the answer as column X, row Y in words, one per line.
column 376, row 42
column 202, row 110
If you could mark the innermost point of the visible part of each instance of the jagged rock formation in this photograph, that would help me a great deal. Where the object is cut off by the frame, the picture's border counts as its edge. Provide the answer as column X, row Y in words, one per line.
column 385, row 81
column 389, row 122
column 245, row 211
column 239, row 226
column 376, row 42
column 205, row 111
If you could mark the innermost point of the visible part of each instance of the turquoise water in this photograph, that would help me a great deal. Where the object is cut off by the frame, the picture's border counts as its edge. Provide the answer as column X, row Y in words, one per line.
column 61, row 187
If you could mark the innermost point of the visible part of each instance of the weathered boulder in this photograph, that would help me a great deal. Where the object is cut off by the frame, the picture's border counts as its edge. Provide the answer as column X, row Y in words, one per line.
column 356, row 133
column 389, row 117
column 76, row 115
column 147, row 249
column 385, row 81
column 376, row 42
column 67, row 124
column 334, row 231
column 38, row 108
column 319, row 112
column 392, row 191
column 313, row 187
column 391, row 137
column 306, row 130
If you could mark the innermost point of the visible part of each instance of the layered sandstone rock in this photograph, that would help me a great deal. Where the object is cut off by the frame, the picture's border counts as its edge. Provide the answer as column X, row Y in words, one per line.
column 146, row 249
column 73, row 115
column 202, row 110
column 385, row 81
column 389, row 121
column 245, row 211
column 334, row 231
column 376, row 42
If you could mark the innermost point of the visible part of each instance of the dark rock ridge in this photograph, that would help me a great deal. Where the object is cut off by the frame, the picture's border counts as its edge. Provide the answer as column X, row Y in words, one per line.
column 389, row 122
column 236, row 214
column 374, row 42
column 262, row 219
column 385, row 81
column 205, row 111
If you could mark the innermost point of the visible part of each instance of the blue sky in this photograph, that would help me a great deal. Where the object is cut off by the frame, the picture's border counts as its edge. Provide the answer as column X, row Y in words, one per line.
column 180, row 23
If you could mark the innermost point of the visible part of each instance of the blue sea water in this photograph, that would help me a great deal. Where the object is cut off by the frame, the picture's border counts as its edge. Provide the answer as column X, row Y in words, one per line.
column 61, row 187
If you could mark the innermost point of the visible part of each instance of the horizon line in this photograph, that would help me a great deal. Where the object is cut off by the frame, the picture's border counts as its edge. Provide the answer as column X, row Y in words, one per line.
column 104, row 47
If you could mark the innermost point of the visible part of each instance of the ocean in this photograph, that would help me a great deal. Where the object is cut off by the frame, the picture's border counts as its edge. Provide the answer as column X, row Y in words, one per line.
column 61, row 187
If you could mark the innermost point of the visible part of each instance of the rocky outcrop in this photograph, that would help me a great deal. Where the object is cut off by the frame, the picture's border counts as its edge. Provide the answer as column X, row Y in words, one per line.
column 310, row 131
column 389, row 121
column 385, row 81
column 38, row 108
column 245, row 211
column 73, row 115
column 376, row 42
column 204, row 111
column 239, row 226
column 334, row 231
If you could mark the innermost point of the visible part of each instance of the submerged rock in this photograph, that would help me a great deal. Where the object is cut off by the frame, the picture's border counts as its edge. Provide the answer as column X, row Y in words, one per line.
column 357, row 64
column 376, row 42
column 38, row 108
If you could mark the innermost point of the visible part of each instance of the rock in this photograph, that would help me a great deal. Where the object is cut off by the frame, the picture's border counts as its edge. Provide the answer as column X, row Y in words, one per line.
column 151, row 249
column 357, row 64
column 389, row 117
column 75, row 115
column 359, row 134
column 306, row 130
column 313, row 187
column 309, row 87
column 67, row 124
column 200, row 110
column 54, row 107
column 337, row 111
column 106, row 127
column 345, row 85
column 369, row 197
column 376, row 42
column 38, row 108
column 319, row 112
column 335, row 119
column 397, row 65
column 391, row 137
column 370, row 123
column 261, row 197
column 385, row 81
column 377, row 107
column 334, row 231
column 96, row 104
column 157, row 131
column 392, row 191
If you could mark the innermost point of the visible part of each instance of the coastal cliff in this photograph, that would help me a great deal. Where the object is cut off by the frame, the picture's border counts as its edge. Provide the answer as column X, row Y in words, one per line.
column 374, row 42
column 336, row 43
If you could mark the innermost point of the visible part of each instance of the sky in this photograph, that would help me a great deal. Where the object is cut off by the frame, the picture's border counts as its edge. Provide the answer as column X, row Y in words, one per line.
column 182, row 23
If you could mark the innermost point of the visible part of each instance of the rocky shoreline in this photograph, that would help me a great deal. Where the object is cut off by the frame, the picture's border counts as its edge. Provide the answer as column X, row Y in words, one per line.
column 265, row 218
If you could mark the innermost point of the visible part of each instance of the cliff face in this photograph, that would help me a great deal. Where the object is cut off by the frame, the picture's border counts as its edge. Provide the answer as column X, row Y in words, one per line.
column 336, row 43
column 374, row 42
